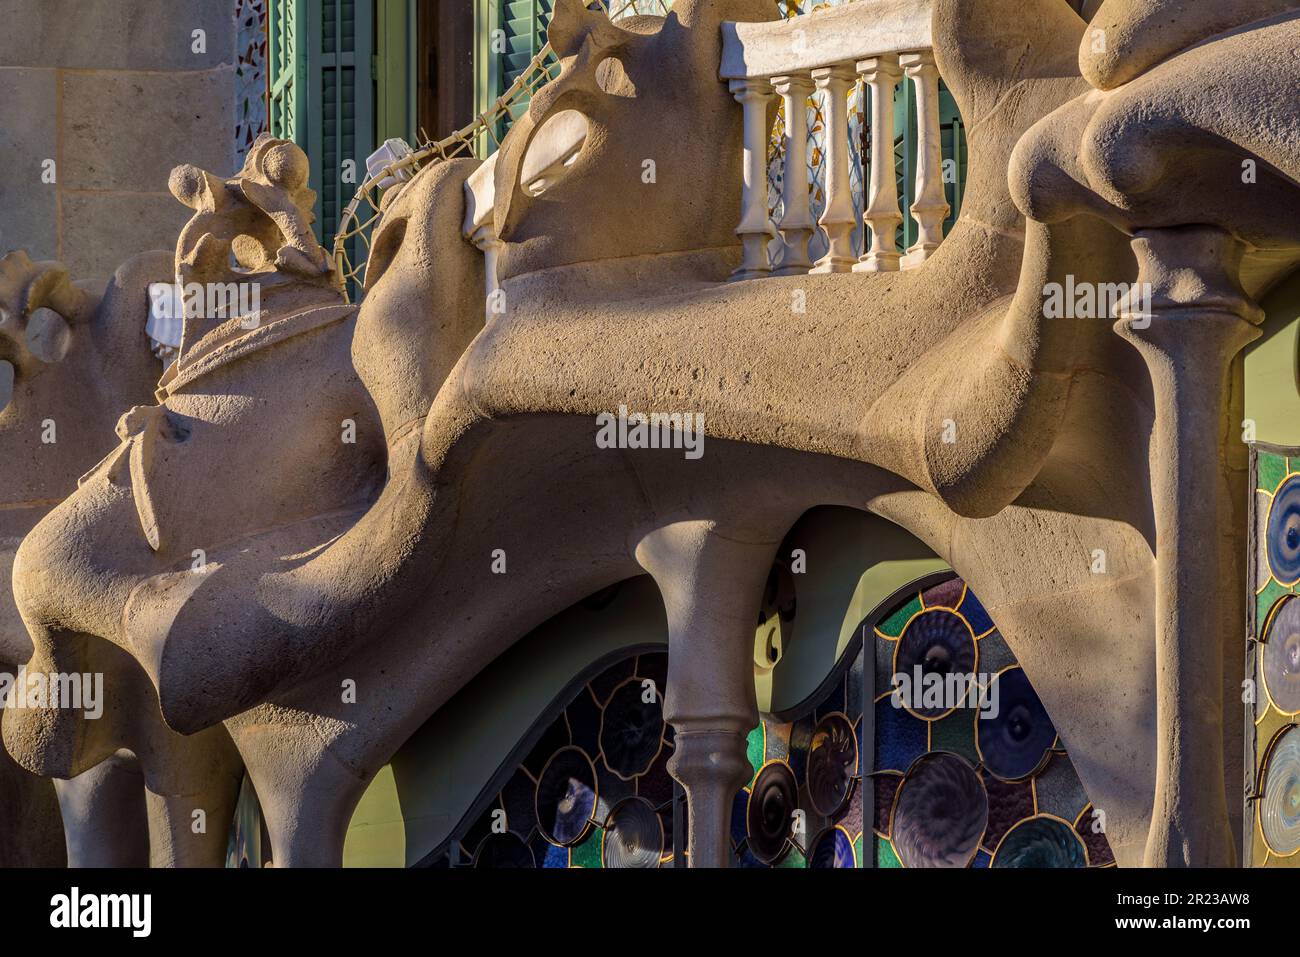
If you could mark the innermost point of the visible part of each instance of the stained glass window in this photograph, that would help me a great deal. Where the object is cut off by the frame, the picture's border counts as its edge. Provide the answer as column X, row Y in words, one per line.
column 803, row 805
column 1272, row 691
column 969, row 770
column 594, row 788
column 980, row 779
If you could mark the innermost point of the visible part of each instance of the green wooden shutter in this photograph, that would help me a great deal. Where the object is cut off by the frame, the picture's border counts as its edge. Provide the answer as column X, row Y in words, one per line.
column 322, row 95
column 341, row 105
column 515, row 33
column 395, row 95
column 953, row 134
column 524, row 23
column 286, row 69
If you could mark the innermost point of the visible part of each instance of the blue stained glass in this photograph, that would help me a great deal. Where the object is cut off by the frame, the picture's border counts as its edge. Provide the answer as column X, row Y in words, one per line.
column 1041, row 842
column 739, row 826
column 1014, row 744
column 556, row 856
column 974, row 612
column 832, row 848
column 901, row 737
column 1284, row 532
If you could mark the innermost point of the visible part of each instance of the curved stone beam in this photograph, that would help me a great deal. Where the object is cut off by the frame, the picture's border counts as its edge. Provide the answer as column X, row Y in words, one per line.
column 492, row 402
column 1129, row 37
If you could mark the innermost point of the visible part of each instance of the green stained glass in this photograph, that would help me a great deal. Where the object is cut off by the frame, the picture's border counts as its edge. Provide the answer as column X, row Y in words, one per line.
column 587, row 854
column 857, row 850
column 893, row 625
column 1265, row 601
column 956, row 733
column 793, row 859
column 885, row 856
column 1271, row 470
column 756, row 749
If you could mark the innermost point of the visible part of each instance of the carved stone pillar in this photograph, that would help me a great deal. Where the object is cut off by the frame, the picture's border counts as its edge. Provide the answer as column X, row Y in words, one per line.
column 930, row 206
column 796, row 217
column 753, row 96
column 104, row 818
column 881, row 75
column 1196, row 322
column 712, row 587
column 839, row 218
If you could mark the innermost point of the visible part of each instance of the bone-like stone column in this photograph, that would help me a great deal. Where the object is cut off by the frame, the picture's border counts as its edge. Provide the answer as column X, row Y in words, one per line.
column 1198, row 319
column 712, row 587
column 930, row 207
column 881, row 75
column 753, row 96
column 838, row 219
column 796, row 216
column 104, row 818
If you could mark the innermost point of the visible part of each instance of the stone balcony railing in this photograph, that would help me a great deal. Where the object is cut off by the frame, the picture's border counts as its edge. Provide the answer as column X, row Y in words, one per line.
column 828, row 52
column 879, row 43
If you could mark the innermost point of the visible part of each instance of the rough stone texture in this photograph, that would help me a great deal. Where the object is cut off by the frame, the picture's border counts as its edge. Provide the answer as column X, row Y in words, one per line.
column 115, row 35
column 327, row 561
column 110, row 224
column 106, row 366
column 112, row 91
column 125, row 131
column 28, row 136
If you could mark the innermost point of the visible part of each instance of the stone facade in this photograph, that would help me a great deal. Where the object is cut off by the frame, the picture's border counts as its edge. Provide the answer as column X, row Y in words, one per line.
column 114, row 94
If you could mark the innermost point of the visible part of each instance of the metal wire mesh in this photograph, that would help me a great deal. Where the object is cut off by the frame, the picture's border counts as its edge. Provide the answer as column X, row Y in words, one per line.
column 479, row 138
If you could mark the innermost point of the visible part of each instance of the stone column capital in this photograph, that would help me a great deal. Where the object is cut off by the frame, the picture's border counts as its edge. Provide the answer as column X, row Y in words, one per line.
column 880, row 68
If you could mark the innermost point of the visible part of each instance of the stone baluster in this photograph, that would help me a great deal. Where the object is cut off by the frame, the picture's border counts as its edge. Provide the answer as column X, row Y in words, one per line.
column 839, row 217
column 753, row 96
column 881, row 74
column 930, row 207
column 796, row 219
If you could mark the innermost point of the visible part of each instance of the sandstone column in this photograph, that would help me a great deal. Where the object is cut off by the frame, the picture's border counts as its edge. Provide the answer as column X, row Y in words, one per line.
column 712, row 587
column 1196, row 322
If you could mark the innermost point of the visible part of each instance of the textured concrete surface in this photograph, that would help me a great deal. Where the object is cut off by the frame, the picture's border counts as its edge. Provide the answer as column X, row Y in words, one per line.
column 110, row 223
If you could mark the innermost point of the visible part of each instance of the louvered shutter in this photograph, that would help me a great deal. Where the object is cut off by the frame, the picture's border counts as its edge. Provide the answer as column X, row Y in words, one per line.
column 341, row 104
column 286, row 69
column 322, row 95
column 524, row 23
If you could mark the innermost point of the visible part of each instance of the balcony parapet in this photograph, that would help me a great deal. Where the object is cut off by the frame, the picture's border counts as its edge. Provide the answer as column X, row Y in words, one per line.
column 877, row 43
